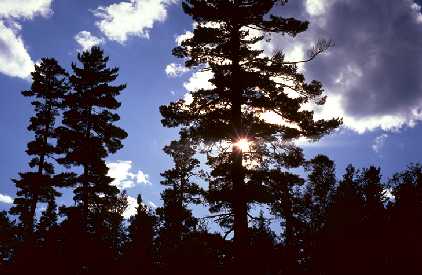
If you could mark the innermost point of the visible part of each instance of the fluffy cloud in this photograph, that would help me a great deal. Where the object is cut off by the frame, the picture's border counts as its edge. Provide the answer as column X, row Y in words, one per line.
column 174, row 70
column 134, row 18
column 6, row 199
column 120, row 171
column 372, row 74
column 86, row 40
column 182, row 37
column 199, row 80
column 15, row 60
column 133, row 206
column 24, row 8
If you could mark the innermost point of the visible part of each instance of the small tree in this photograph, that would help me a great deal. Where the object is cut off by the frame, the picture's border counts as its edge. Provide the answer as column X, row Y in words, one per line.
column 178, row 223
column 319, row 191
column 373, row 222
column 181, row 190
column 405, row 221
column 320, row 186
column 139, row 251
column 343, row 230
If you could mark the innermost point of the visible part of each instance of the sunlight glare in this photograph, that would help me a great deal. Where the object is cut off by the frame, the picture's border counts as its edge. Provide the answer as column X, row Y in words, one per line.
column 243, row 144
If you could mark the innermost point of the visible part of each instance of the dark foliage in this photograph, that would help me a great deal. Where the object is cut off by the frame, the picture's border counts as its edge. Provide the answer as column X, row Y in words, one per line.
column 48, row 90
column 245, row 85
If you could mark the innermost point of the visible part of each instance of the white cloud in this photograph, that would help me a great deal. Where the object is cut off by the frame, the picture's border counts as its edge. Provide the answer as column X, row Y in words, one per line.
column 134, row 18
column 132, row 205
column 120, row 171
column 14, row 57
column 15, row 60
column 188, row 98
column 388, row 194
column 175, row 70
column 6, row 199
column 27, row 9
column 182, row 37
column 315, row 7
column 153, row 205
column 86, row 40
column 334, row 108
column 199, row 80
column 417, row 12
column 142, row 178
column 379, row 143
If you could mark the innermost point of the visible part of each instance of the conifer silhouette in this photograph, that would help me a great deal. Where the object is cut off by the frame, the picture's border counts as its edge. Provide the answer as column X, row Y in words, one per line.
column 373, row 222
column 88, row 134
column 244, row 87
column 87, row 137
column 405, row 221
column 139, row 254
column 182, row 190
column 8, row 240
column 48, row 90
column 320, row 188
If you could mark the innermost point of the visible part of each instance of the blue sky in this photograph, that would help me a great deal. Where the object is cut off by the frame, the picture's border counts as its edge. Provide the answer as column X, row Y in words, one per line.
column 372, row 77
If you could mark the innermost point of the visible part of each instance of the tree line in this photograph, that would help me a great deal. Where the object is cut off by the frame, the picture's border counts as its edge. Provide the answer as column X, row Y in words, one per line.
column 355, row 225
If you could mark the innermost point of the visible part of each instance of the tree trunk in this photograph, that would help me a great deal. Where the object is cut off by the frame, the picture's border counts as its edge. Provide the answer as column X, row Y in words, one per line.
column 239, row 204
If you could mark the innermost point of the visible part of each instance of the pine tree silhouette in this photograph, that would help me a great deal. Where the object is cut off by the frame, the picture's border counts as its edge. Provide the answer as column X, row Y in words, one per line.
column 48, row 90
column 177, row 220
column 8, row 241
column 263, row 241
column 342, row 236
column 244, row 87
column 405, row 222
column 320, row 188
column 139, row 254
column 48, row 220
column 373, row 222
column 321, row 185
column 87, row 137
column 287, row 204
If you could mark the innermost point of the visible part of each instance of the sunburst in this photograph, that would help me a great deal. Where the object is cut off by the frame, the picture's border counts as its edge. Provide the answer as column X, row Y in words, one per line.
column 243, row 144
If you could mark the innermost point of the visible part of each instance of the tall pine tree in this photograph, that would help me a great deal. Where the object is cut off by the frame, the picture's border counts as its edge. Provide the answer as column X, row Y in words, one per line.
column 48, row 90
column 89, row 134
column 246, row 85
column 87, row 137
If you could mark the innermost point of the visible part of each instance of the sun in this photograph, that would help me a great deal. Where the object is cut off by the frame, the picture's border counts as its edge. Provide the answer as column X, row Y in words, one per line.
column 242, row 144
